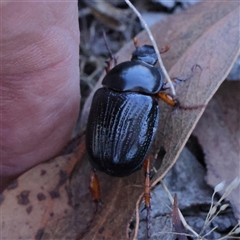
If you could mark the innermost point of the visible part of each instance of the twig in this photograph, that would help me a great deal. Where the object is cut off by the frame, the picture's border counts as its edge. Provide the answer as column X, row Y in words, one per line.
column 180, row 214
column 154, row 45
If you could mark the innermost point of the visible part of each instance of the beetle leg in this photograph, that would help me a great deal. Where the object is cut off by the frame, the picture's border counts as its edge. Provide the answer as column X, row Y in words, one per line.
column 162, row 50
column 165, row 49
column 176, row 81
column 167, row 98
column 147, row 192
column 135, row 42
column 95, row 191
column 95, row 188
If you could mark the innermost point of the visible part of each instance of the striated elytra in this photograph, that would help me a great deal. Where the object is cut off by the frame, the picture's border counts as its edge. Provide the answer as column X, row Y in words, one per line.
column 124, row 115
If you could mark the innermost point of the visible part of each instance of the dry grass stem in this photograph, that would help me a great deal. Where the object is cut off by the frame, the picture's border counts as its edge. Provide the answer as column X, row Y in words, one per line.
column 213, row 213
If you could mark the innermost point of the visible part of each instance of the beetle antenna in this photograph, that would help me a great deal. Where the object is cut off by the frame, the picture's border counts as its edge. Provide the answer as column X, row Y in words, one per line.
column 113, row 59
column 106, row 44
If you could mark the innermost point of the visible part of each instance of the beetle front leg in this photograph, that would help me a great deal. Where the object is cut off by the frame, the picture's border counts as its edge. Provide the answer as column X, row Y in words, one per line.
column 162, row 50
column 147, row 193
column 170, row 100
column 176, row 81
column 167, row 98
column 95, row 188
column 165, row 49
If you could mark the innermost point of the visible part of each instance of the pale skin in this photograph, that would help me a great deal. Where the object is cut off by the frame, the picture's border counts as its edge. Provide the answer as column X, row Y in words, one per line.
column 39, row 83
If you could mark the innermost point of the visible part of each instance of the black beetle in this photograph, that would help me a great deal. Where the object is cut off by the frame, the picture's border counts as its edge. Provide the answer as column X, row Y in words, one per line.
column 124, row 115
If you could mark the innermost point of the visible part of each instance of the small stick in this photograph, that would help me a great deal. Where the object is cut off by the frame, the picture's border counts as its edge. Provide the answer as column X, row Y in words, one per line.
column 154, row 45
column 180, row 214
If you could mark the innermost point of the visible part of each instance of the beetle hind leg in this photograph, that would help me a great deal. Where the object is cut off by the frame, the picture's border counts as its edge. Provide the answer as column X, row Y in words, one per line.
column 95, row 189
column 147, row 194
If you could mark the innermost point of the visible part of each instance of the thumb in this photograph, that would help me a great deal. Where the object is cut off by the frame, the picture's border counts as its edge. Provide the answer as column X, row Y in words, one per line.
column 39, row 82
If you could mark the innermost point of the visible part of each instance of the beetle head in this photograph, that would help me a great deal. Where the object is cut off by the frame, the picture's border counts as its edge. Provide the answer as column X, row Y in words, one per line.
column 146, row 54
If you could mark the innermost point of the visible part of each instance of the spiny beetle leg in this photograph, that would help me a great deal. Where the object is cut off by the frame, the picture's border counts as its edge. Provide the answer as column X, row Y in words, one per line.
column 167, row 98
column 176, row 81
column 147, row 193
column 165, row 49
column 170, row 100
column 162, row 50
column 179, row 106
column 95, row 188
column 95, row 191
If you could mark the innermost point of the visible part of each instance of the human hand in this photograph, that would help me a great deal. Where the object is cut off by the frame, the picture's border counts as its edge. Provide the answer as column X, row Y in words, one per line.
column 39, row 82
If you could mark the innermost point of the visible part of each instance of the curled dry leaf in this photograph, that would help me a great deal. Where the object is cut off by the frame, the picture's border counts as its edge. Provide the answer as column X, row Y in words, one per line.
column 206, row 34
column 39, row 198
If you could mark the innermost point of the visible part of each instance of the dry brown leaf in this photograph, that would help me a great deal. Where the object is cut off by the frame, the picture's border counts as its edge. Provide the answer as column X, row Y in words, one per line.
column 206, row 34
column 218, row 133
column 37, row 198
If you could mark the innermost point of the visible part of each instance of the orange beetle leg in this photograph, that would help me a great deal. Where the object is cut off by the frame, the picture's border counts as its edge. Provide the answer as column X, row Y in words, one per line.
column 167, row 98
column 147, row 193
column 95, row 188
column 165, row 49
